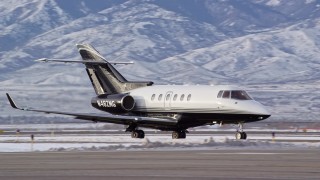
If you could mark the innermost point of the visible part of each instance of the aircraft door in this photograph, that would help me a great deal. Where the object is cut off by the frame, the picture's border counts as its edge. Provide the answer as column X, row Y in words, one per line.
column 167, row 100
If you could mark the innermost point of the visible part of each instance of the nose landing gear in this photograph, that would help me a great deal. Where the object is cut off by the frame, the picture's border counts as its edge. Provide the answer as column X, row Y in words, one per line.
column 240, row 133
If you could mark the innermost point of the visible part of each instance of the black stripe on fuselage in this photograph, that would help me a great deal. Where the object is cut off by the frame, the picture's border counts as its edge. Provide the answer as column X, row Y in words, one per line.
column 190, row 110
column 187, row 120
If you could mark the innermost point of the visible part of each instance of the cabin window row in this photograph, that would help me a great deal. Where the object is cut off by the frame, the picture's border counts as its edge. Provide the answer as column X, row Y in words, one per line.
column 175, row 97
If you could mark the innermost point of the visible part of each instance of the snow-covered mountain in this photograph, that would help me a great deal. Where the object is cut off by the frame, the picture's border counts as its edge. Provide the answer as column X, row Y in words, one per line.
column 271, row 47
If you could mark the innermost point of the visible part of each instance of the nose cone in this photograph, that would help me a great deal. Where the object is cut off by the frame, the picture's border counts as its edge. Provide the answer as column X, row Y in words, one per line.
column 260, row 111
column 263, row 113
column 256, row 109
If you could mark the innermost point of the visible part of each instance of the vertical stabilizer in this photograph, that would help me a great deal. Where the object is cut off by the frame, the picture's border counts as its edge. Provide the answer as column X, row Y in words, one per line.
column 104, row 77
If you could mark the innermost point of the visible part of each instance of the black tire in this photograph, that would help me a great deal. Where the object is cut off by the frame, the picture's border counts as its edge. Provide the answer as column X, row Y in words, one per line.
column 140, row 134
column 178, row 134
column 182, row 135
column 243, row 135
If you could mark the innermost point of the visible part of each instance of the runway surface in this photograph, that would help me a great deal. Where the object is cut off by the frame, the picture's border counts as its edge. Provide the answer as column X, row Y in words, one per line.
column 84, row 152
column 178, row 164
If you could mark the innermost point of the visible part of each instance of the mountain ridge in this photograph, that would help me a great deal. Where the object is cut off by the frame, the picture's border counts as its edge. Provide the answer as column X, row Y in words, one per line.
column 254, row 43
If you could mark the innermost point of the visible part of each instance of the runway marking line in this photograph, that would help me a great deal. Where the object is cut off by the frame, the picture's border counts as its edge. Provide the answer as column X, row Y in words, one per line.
column 245, row 153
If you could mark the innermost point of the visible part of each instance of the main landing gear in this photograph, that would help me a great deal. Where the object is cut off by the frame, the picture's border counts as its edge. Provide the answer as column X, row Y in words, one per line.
column 240, row 133
column 178, row 134
column 137, row 134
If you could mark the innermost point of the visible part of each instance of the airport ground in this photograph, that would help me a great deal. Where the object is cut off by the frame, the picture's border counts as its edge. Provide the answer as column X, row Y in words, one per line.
column 178, row 164
column 85, row 153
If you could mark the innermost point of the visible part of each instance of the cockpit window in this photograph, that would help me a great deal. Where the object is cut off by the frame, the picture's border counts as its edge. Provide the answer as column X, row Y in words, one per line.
column 226, row 94
column 240, row 95
column 237, row 94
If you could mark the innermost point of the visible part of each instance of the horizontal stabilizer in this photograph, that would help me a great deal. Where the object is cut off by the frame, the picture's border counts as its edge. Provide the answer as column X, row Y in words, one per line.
column 82, row 61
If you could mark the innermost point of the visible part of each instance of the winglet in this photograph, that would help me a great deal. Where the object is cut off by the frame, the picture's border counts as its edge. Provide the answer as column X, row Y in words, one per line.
column 11, row 101
column 42, row 60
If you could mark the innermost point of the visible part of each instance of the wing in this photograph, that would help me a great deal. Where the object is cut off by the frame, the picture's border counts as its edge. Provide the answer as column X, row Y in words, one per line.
column 157, row 123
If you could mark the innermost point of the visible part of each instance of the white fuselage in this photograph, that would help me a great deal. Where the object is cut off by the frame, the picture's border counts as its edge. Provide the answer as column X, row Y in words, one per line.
column 193, row 99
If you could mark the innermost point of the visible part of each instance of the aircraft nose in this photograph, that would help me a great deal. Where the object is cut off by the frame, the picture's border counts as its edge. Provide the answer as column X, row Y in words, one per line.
column 258, row 110
column 262, row 110
column 255, row 107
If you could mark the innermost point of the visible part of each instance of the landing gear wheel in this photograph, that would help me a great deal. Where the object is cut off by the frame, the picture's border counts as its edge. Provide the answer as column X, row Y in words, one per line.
column 140, row 134
column 238, row 135
column 241, row 135
column 182, row 135
column 175, row 135
column 244, row 135
column 134, row 134
column 178, row 134
column 137, row 134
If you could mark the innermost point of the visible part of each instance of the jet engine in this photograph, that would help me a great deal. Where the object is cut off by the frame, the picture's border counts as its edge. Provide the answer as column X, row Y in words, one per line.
column 114, row 103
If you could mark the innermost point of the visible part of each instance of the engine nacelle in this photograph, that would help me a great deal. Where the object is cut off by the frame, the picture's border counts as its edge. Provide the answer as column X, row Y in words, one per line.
column 113, row 103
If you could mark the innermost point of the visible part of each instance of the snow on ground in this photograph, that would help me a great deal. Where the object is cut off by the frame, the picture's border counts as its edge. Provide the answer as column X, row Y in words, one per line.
column 76, row 142
column 98, row 137
column 75, row 126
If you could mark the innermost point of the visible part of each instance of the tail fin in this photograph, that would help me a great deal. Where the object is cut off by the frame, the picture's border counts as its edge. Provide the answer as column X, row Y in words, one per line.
column 104, row 77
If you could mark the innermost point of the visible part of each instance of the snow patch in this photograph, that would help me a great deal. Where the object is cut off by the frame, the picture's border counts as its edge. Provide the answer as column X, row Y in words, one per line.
column 114, row 141
column 310, row 1
column 273, row 3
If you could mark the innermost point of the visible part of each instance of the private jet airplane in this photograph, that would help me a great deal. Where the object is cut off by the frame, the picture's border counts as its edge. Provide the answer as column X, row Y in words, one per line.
column 165, row 107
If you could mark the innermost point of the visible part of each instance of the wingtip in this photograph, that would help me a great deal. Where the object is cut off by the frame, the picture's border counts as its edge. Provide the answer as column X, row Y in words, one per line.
column 41, row 60
column 11, row 101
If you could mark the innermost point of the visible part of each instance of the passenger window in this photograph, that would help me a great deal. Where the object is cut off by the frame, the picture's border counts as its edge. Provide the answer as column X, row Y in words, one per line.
column 226, row 94
column 152, row 97
column 219, row 94
column 175, row 97
column 160, row 97
column 182, row 97
column 168, row 97
column 189, row 97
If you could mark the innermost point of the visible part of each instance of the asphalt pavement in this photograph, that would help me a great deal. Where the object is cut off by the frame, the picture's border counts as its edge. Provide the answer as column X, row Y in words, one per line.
column 162, row 164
